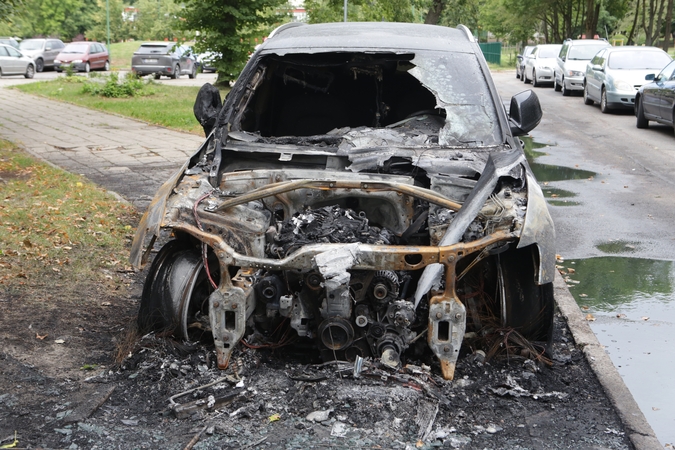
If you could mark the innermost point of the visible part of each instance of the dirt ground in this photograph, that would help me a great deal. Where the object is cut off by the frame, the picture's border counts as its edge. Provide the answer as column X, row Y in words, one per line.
column 61, row 387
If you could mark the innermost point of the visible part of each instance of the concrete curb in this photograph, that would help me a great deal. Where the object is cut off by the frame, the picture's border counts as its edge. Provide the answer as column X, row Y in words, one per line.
column 638, row 429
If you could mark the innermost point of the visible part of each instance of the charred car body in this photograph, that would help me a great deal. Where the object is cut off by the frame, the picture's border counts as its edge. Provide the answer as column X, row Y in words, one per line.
column 361, row 184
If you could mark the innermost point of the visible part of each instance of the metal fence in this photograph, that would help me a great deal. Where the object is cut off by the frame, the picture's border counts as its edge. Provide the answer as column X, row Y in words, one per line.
column 492, row 51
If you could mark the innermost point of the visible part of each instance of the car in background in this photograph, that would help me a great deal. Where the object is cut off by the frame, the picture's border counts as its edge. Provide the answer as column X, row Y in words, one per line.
column 656, row 100
column 363, row 185
column 83, row 57
column 206, row 61
column 13, row 62
column 9, row 41
column 571, row 63
column 43, row 51
column 615, row 74
column 164, row 58
column 540, row 64
column 521, row 59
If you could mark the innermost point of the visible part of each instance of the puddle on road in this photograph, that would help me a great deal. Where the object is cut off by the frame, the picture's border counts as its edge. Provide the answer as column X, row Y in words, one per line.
column 632, row 302
column 618, row 246
column 548, row 172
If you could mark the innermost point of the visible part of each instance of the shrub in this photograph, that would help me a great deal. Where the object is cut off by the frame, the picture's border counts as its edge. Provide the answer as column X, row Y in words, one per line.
column 131, row 86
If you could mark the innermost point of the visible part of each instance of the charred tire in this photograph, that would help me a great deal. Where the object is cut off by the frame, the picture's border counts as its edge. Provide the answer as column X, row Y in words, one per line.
column 587, row 100
column 527, row 307
column 39, row 65
column 176, row 285
column 642, row 121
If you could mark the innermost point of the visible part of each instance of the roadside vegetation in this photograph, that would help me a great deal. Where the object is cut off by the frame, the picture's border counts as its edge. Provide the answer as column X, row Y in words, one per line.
column 58, row 229
column 160, row 104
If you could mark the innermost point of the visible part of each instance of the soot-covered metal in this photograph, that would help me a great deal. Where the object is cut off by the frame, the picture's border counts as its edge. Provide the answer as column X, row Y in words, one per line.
column 371, row 200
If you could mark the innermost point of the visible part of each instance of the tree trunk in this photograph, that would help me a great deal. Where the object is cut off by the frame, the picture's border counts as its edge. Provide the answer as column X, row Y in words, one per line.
column 669, row 21
column 435, row 11
column 635, row 19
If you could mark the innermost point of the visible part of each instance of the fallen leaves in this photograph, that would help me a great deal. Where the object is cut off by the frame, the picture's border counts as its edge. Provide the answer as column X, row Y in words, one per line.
column 590, row 317
column 40, row 337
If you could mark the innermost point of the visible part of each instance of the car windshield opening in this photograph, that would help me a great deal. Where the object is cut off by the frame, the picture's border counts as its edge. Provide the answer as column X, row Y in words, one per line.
column 638, row 60
column 31, row 45
column 75, row 48
column 430, row 99
column 548, row 52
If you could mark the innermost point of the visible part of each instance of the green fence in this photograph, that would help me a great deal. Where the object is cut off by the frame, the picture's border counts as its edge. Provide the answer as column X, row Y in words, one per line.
column 492, row 51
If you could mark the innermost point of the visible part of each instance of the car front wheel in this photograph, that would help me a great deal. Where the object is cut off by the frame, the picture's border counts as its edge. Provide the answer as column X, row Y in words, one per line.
column 563, row 89
column 39, row 65
column 176, row 72
column 193, row 74
column 642, row 121
column 535, row 83
column 587, row 101
column 107, row 66
column 603, row 102
column 30, row 71
column 87, row 68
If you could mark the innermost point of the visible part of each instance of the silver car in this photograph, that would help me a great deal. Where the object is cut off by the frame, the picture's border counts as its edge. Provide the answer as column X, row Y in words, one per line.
column 615, row 74
column 164, row 58
column 540, row 64
column 43, row 51
column 13, row 62
column 571, row 63
column 522, row 59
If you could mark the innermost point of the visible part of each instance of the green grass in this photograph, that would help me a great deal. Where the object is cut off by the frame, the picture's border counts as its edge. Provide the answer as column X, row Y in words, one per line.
column 56, row 225
column 169, row 106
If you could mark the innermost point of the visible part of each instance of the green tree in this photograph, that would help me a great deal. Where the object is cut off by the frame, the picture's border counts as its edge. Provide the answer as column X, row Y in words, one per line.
column 158, row 20
column 229, row 28
column 59, row 18
column 322, row 11
column 118, row 28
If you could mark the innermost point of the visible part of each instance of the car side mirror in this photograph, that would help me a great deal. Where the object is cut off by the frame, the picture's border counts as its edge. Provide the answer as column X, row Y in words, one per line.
column 597, row 67
column 524, row 113
column 207, row 106
column 650, row 77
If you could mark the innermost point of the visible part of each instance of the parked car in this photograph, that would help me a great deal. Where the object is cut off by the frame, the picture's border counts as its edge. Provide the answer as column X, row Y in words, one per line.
column 13, row 62
column 164, row 58
column 540, row 64
column 83, row 57
column 521, row 60
column 43, row 51
column 615, row 74
column 206, row 61
column 571, row 63
column 361, row 184
column 656, row 100
column 9, row 41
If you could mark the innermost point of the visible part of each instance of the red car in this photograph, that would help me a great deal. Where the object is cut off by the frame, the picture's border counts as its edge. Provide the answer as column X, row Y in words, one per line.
column 83, row 57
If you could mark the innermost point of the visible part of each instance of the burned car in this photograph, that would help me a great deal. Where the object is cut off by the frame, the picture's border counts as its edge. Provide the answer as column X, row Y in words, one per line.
column 361, row 189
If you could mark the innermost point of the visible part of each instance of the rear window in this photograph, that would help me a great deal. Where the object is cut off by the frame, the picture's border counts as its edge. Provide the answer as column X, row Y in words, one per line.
column 152, row 48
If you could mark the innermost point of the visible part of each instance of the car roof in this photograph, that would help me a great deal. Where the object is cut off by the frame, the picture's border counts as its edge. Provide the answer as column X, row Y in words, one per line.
column 587, row 41
column 364, row 36
column 640, row 48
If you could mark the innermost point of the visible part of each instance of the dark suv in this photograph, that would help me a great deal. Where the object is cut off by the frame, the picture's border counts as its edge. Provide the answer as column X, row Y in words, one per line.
column 164, row 58
column 361, row 191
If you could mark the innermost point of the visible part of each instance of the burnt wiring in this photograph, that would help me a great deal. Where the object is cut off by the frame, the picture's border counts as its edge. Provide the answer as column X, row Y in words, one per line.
column 204, row 246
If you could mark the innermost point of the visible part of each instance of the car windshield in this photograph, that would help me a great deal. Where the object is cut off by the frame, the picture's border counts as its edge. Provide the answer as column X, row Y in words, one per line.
column 585, row 52
column 75, row 48
column 638, row 59
column 31, row 44
column 548, row 52
column 428, row 99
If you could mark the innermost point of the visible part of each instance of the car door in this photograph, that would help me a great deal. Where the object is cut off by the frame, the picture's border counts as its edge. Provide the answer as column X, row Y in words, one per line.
column 651, row 93
column 95, row 56
column 667, row 100
column 52, row 49
column 560, row 66
column 15, row 61
column 595, row 77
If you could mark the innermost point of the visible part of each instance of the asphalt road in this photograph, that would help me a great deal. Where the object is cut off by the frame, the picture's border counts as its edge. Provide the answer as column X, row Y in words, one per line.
column 629, row 198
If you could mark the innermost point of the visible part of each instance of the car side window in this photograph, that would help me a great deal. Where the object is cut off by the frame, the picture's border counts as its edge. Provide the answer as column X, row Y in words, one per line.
column 668, row 73
column 13, row 52
column 563, row 52
column 3, row 51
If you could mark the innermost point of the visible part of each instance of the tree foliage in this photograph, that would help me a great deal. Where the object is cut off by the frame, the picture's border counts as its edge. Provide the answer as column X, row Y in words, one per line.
column 321, row 11
column 231, row 27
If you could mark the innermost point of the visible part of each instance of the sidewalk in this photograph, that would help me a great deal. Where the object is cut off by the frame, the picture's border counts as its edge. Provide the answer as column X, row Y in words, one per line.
column 126, row 156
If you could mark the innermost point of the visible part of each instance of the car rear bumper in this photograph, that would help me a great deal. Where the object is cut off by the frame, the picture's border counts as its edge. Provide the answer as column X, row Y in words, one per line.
column 146, row 70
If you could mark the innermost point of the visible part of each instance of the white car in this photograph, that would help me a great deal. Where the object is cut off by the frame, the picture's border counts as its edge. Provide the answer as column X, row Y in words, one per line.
column 13, row 62
column 571, row 63
column 540, row 64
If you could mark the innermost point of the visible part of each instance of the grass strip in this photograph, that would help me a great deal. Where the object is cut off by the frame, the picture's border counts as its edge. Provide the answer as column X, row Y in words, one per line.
column 160, row 104
column 58, row 229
